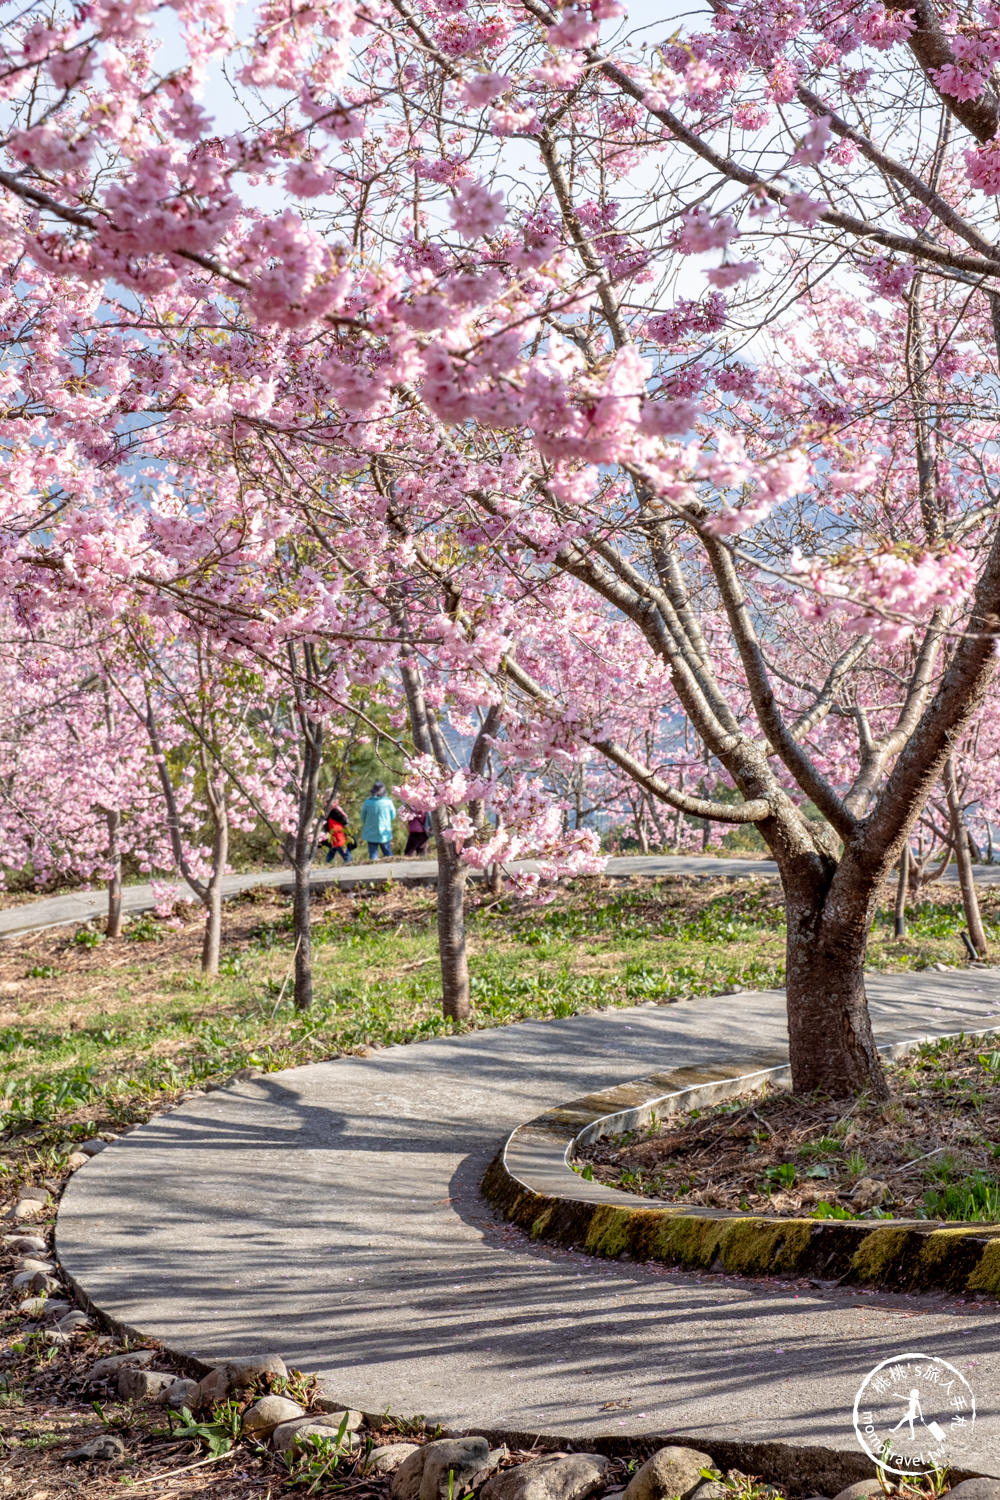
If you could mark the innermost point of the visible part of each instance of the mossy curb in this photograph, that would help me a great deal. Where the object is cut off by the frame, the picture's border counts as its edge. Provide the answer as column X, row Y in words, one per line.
column 533, row 1185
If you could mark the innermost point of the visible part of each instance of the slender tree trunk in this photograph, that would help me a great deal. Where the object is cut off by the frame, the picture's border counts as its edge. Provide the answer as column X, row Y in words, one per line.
column 456, row 1001
column 901, row 889
column 113, row 928
column 831, row 1046
column 213, row 900
column 657, row 823
column 963, row 858
column 302, row 864
column 302, row 930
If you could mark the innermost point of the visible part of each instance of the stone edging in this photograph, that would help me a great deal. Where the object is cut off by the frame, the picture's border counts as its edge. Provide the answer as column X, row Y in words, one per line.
column 533, row 1185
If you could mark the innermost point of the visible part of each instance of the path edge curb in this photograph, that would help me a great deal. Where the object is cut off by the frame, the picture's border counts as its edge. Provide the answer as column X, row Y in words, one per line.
column 532, row 1184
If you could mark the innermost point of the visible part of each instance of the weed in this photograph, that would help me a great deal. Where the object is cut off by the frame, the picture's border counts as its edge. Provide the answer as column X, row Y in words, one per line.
column 975, row 1199
column 310, row 1463
column 87, row 937
column 825, row 1210
column 783, row 1175
column 41, row 971
column 144, row 929
column 216, row 1435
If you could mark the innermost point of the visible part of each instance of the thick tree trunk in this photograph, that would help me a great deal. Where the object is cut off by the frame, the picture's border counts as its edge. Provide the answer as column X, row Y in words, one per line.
column 455, row 999
column 113, row 928
column 899, row 926
column 212, row 941
column 963, row 859
column 831, row 1046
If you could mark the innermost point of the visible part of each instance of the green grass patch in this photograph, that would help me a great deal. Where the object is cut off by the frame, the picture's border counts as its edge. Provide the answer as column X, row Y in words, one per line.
column 98, row 1033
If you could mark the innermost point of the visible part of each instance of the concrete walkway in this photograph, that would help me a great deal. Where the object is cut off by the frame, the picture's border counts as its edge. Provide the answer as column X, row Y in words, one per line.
column 332, row 1214
column 84, row 906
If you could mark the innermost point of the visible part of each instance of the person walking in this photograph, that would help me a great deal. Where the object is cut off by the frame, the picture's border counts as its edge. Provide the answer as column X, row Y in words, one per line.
column 336, row 834
column 377, row 813
column 418, row 831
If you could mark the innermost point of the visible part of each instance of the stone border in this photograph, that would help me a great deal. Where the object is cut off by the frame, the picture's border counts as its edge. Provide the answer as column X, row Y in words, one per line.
column 533, row 1185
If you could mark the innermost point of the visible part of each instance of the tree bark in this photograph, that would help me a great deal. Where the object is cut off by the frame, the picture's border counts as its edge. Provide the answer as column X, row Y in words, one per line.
column 899, row 926
column 831, row 1046
column 302, row 930
column 212, row 941
column 456, row 1001
column 113, row 928
column 302, row 861
column 963, row 859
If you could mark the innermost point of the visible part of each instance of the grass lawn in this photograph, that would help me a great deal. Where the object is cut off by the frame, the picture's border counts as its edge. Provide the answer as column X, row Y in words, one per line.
column 96, row 1035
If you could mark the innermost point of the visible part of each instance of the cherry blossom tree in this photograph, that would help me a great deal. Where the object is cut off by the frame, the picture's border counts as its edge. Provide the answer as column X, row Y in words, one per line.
column 78, row 788
column 462, row 248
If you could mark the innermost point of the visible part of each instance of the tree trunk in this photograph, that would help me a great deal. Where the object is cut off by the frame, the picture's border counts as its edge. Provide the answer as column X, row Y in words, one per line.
column 963, row 859
column 899, row 928
column 301, row 845
column 213, row 900
column 302, row 928
column 302, row 856
column 455, row 1001
column 113, row 928
column 831, row 1046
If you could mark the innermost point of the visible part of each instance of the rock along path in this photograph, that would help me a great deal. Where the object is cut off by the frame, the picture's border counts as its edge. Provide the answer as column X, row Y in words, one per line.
column 332, row 1213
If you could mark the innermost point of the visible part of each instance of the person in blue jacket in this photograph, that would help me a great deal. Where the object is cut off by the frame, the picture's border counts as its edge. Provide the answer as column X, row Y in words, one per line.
column 377, row 813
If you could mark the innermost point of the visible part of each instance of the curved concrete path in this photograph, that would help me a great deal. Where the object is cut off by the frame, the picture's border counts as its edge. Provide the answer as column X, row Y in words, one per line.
column 332, row 1214
column 83, row 906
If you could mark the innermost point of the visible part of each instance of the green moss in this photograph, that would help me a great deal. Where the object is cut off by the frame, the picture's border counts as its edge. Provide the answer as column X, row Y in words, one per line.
column 687, row 1240
column 608, row 1234
column 879, row 1255
column 761, row 1247
column 540, row 1224
column 986, row 1276
column 943, row 1258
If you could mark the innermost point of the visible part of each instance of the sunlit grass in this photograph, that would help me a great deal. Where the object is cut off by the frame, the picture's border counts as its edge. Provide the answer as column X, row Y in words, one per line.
column 105, row 1049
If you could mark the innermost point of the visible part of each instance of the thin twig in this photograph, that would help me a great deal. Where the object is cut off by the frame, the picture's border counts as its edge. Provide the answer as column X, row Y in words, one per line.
column 172, row 1473
column 284, row 982
column 926, row 1154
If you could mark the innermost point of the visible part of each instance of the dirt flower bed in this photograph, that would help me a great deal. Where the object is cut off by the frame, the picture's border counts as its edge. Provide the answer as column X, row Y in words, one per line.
column 932, row 1152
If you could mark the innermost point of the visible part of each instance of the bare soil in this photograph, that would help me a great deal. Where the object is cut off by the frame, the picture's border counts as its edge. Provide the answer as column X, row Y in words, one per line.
column 931, row 1152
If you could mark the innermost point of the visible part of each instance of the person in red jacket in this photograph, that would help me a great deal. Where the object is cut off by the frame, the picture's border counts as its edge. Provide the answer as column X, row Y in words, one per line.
column 336, row 832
